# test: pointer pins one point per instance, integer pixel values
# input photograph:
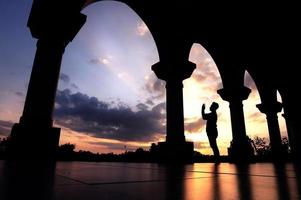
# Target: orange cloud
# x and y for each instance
(201, 88)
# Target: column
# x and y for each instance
(292, 110)
(43, 82)
(289, 133)
(240, 148)
(293, 132)
(271, 111)
(34, 136)
(175, 146)
(174, 111)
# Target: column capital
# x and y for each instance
(53, 20)
(166, 72)
(235, 94)
(271, 108)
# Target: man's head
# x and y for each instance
(214, 106)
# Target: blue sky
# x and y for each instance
(106, 78)
(17, 49)
(98, 62)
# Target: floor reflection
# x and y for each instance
(254, 181)
(27, 180)
(175, 180)
(281, 181)
(216, 193)
(297, 170)
(243, 182)
(97, 181)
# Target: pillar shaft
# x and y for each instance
(274, 132)
(175, 114)
(271, 109)
(293, 132)
(237, 121)
(174, 96)
(240, 149)
(291, 107)
(175, 149)
(235, 98)
(43, 83)
(289, 134)
(34, 137)
(54, 26)
(295, 129)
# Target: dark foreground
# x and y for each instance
(101, 181)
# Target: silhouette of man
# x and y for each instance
(211, 128)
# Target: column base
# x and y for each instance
(33, 142)
(180, 152)
(241, 151)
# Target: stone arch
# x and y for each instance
(142, 13)
(253, 115)
(270, 107)
(281, 116)
(55, 26)
(62, 26)
(92, 26)
(203, 84)
(284, 128)
(228, 61)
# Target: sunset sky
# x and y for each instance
(108, 98)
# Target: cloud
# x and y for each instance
(207, 76)
(109, 145)
(142, 106)
(257, 116)
(73, 85)
(119, 146)
(5, 127)
(85, 114)
(206, 72)
(19, 94)
(65, 78)
(155, 87)
(142, 29)
(101, 60)
(94, 61)
(150, 102)
(249, 82)
(195, 126)
(201, 145)
(104, 61)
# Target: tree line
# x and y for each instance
(66, 152)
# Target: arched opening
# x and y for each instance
(108, 99)
(281, 120)
(201, 88)
(256, 123)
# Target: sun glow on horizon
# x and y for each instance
(202, 88)
(87, 142)
(110, 60)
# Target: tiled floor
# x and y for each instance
(101, 181)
